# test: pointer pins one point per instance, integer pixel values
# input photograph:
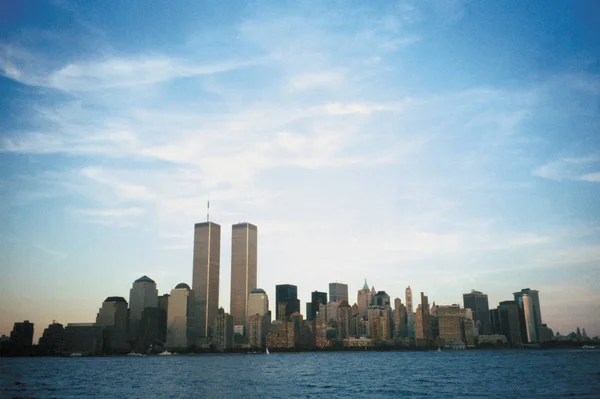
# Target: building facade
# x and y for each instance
(222, 338)
(204, 295)
(177, 317)
(363, 300)
(478, 303)
(286, 295)
(338, 292)
(143, 294)
(112, 316)
(244, 254)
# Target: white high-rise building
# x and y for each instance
(258, 302)
(177, 317)
(529, 318)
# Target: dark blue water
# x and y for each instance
(466, 374)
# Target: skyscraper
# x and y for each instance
(258, 302)
(143, 294)
(338, 292)
(530, 315)
(243, 269)
(113, 317)
(363, 300)
(510, 327)
(409, 303)
(205, 281)
(223, 331)
(316, 298)
(177, 317)
(286, 297)
(478, 303)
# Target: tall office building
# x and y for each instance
(143, 294)
(409, 303)
(51, 341)
(243, 269)
(381, 299)
(113, 317)
(286, 298)
(530, 326)
(510, 327)
(205, 282)
(316, 298)
(21, 337)
(363, 300)
(478, 303)
(258, 302)
(344, 318)
(530, 316)
(338, 292)
(177, 317)
(223, 331)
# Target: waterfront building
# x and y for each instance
(286, 295)
(84, 338)
(400, 322)
(256, 330)
(112, 316)
(204, 296)
(316, 298)
(545, 333)
(152, 329)
(338, 292)
(478, 303)
(423, 322)
(258, 302)
(51, 341)
(344, 320)
(222, 338)
(530, 326)
(530, 316)
(363, 300)
(244, 254)
(373, 313)
(177, 317)
(410, 325)
(508, 314)
(281, 335)
(408, 298)
(331, 313)
(21, 336)
(163, 302)
(143, 294)
(470, 332)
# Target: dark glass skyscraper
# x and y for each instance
(338, 292)
(478, 303)
(286, 295)
(316, 298)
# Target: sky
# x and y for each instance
(447, 145)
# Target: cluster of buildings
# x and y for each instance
(189, 318)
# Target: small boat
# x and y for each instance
(165, 353)
(76, 354)
(267, 351)
(439, 349)
(134, 354)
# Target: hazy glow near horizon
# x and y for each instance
(443, 145)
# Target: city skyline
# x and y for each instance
(448, 146)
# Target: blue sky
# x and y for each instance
(446, 145)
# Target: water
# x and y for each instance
(466, 374)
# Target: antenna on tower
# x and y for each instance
(208, 209)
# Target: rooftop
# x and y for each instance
(182, 285)
(115, 299)
(144, 279)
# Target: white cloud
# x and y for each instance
(569, 168)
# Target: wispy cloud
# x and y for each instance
(571, 168)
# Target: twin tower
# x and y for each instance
(204, 296)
